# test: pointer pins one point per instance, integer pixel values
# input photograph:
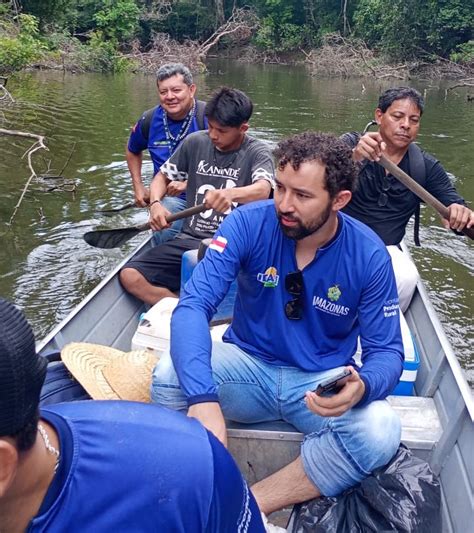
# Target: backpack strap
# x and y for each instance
(417, 164)
(146, 119)
(200, 107)
(418, 173)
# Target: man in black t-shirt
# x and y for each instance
(224, 167)
(384, 203)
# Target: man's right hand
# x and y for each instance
(157, 218)
(370, 146)
(336, 405)
(142, 195)
(211, 417)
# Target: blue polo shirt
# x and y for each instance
(133, 467)
(157, 144)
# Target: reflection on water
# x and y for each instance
(47, 268)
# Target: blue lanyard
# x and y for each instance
(186, 124)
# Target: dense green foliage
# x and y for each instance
(97, 30)
(404, 28)
(22, 47)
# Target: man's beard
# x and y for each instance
(301, 231)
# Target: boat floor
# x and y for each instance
(421, 430)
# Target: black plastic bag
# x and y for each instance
(403, 496)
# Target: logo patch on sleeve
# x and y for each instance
(390, 308)
(219, 244)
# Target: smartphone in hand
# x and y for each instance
(334, 384)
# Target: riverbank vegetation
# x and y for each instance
(381, 38)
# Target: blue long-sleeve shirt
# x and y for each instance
(349, 290)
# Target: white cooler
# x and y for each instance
(412, 360)
(153, 331)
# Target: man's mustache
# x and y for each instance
(288, 216)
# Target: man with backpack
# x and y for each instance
(384, 203)
(161, 130)
(224, 167)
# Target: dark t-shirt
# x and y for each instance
(206, 168)
(389, 218)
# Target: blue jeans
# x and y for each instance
(173, 204)
(337, 452)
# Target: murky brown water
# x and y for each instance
(47, 268)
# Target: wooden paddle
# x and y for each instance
(421, 192)
(113, 238)
(118, 209)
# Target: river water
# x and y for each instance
(47, 268)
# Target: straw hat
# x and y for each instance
(110, 374)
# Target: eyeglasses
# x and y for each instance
(294, 284)
(383, 198)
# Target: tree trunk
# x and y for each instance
(344, 15)
(220, 17)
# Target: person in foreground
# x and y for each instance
(384, 203)
(224, 167)
(161, 130)
(106, 466)
(310, 281)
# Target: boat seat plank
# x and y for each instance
(421, 431)
(253, 444)
(421, 426)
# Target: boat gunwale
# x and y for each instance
(57, 329)
(446, 346)
(453, 361)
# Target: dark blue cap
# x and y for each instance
(22, 371)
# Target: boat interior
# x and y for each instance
(437, 421)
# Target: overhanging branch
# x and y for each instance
(37, 145)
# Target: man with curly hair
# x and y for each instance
(311, 280)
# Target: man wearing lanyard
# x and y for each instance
(161, 130)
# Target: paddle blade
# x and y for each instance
(112, 238)
(469, 232)
(117, 209)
